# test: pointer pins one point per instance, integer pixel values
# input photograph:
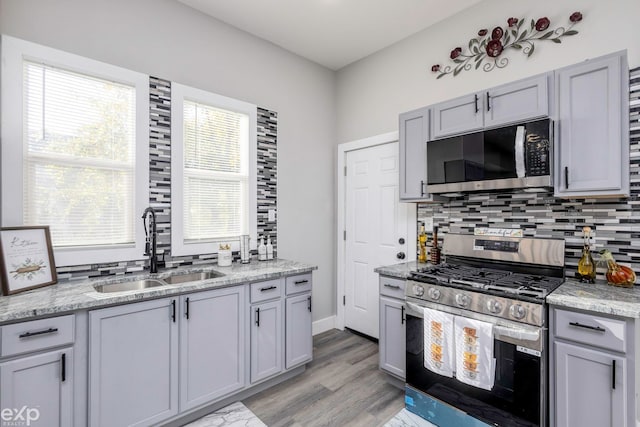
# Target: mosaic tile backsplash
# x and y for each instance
(160, 187)
(616, 222)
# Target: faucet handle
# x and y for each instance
(147, 247)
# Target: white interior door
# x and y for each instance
(376, 224)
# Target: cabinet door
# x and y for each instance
(392, 342)
(133, 364)
(457, 116)
(414, 134)
(587, 378)
(517, 102)
(592, 148)
(41, 384)
(266, 340)
(212, 345)
(299, 341)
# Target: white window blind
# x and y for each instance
(216, 173)
(79, 156)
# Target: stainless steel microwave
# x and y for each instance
(516, 156)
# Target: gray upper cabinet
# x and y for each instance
(133, 357)
(414, 134)
(267, 346)
(518, 101)
(456, 116)
(522, 100)
(592, 144)
(212, 345)
(299, 341)
(42, 382)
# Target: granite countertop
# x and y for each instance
(71, 296)
(401, 271)
(598, 298)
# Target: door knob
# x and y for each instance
(401, 240)
(400, 255)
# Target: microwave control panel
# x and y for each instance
(537, 156)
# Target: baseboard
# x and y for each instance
(323, 325)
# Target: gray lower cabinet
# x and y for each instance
(298, 340)
(42, 384)
(267, 345)
(392, 342)
(212, 345)
(133, 363)
(592, 366)
(589, 378)
(592, 144)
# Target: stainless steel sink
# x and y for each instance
(129, 286)
(192, 277)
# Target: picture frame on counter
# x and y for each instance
(26, 259)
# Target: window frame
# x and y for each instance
(14, 51)
(180, 93)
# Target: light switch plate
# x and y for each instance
(272, 214)
(428, 224)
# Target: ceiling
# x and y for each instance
(333, 33)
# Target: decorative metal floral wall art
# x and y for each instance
(488, 48)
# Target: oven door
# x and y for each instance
(518, 397)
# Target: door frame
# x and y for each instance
(343, 149)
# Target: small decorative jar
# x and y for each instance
(224, 256)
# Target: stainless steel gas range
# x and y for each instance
(502, 281)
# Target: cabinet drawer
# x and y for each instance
(298, 284)
(263, 291)
(591, 330)
(392, 287)
(37, 335)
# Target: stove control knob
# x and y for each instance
(418, 290)
(517, 311)
(434, 294)
(494, 306)
(463, 300)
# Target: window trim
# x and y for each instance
(13, 52)
(179, 93)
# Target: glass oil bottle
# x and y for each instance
(422, 245)
(586, 266)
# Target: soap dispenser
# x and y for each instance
(269, 248)
(262, 250)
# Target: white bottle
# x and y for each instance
(269, 248)
(262, 250)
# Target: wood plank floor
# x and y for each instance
(341, 387)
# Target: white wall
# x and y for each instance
(166, 39)
(373, 91)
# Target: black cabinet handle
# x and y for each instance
(476, 100)
(300, 282)
(267, 289)
(421, 188)
(258, 316)
(63, 369)
(613, 375)
(186, 310)
(488, 102)
(386, 285)
(173, 311)
(593, 328)
(566, 177)
(309, 306)
(33, 334)
(402, 316)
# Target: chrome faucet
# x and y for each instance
(150, 246)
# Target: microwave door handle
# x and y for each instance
(519, 152)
